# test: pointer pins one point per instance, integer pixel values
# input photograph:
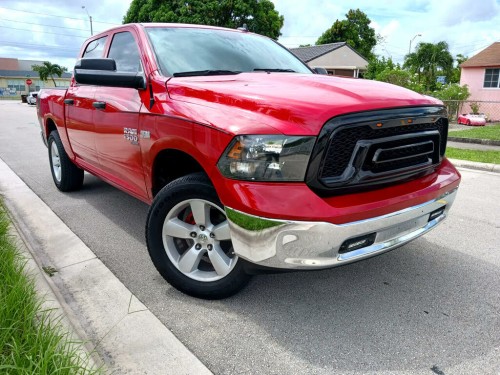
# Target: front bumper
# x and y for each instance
(315, 245)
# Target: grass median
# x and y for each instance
(473, 155)
(32, 340)
(491, 132)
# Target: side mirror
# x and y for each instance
(102, 72)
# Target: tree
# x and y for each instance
(376, 66)
(455, 75)
(259, 15)
(48, 70)
(355, 30)
(428, 60)
(385, 70)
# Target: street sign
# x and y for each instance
(29, 82)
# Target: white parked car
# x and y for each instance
(31, 99)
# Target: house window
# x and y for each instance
(491, 78)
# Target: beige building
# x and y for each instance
(15, 72)
(337, 58)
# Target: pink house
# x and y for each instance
(482, 74)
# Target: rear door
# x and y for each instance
(116, 120)
(79, 111)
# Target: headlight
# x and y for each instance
(267, 158)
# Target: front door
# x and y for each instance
(116, 121)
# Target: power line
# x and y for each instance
(53, 15)
(16, 44)
(41, 24)
(45, 32)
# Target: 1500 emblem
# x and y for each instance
(131, 135)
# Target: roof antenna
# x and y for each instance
(243, 28)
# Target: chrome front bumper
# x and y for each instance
(315, 245)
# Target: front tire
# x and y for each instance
(66, 175)
(189, 242)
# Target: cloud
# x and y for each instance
(456, 12)
(54, 30)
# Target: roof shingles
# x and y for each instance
(487, 57)
(307, 54)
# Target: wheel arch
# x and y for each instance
(164, 171)
(50, 126)
(53, 123)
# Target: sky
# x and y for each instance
(54, 30)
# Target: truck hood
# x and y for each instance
(293, 104)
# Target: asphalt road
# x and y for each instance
(430, 307)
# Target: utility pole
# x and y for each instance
(411, 40)
(90, 19)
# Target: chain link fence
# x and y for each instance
(490, 109)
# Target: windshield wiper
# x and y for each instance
(205, 73)
(274, 70)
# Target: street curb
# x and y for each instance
(490, 142)
(476, 165)
(125, 334)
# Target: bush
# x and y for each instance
(453, 95)
(452, 91)
(474, 106)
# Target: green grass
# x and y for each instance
(473, 155)
(482, 132)
(32, 340)
(250, 223)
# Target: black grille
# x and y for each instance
(361, 150)
(344, 141)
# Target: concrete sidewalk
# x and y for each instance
(126, 336)
(472, 146)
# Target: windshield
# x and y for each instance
(211, 51)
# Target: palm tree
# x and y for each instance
(427, 60)
(47, 70)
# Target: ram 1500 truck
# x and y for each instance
(249, 160)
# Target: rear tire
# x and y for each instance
(188, 239)
(66, 175)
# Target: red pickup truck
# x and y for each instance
(249, 160)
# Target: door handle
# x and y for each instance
(69, 101)
(99, 105)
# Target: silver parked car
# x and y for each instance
(31, 99)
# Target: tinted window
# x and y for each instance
(191, 49)
(95, 48)
(125, 52)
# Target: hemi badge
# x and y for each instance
(145, 134)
